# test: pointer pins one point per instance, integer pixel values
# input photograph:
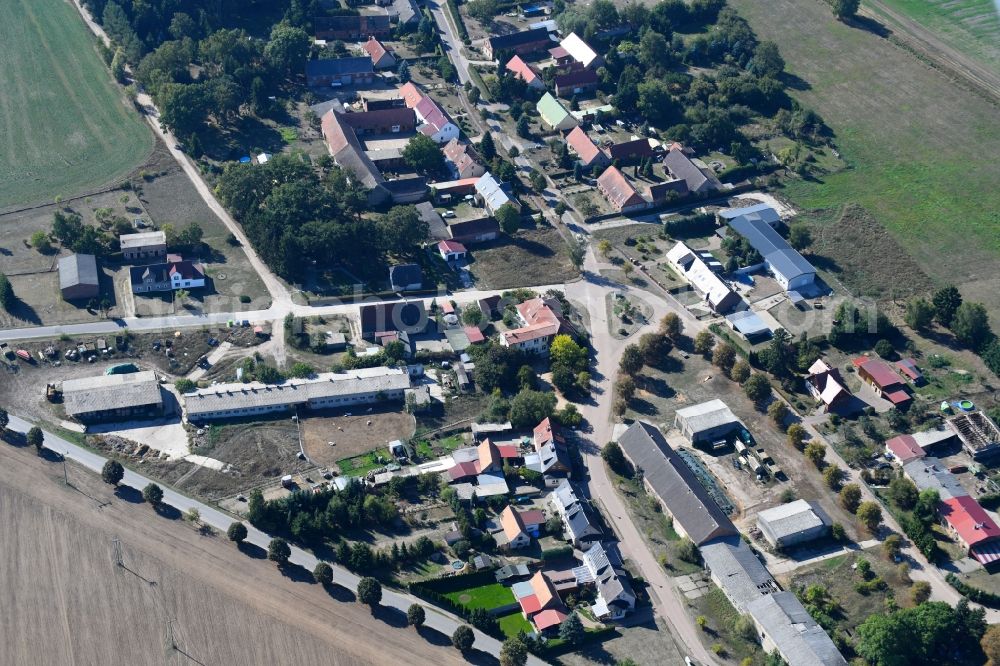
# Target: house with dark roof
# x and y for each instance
(340, 71)
(380, 56)
(577, 82)
(826, 385)
(78, 277)
(698, 178)
(908, 368)
(789, 268)
(881, 377)
(735, 569)
(786, 627)
(519, 43)
(402, 316)
(619, 192)
(474, 230)
(630, 151)
(406, 277)
(169, 276)
(347, 152)
(579, 527)
(352, 27)
(586, 150)
(602, 567)
(668, 478)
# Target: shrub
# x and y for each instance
(112, 472)
(153, 494)
(278, 551)
(323, 573)
(687, 551)
(415, 615)
(463, 638)
(237, 532)
(920, 592)
(369, 592)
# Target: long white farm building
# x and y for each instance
(324, 391)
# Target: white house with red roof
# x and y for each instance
(451, 250)
(434, 122)
(969, 523)
(904, 448)
(380, 55)
(540, 322)
(585, 149)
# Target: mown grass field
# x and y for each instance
(970, 26)
(65, 126)
(920, 149)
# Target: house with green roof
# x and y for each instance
(554, 115)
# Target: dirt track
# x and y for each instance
(68, 603)
(927, 45)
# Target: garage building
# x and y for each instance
(793, 523)
(706, 422)
(113, 397)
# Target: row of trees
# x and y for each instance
(968, 322)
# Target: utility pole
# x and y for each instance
(65, 472)
(171, 641)
(117, 544)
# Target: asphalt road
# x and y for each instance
(436, 617)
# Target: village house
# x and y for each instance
(519, 43)
(586, 151)
(434, 122)
(826, 385)
(474, 230)
(970, 525)
(380, 56)
(462, 160)
(491, 193)
(881, 377)
(578, 525)
(541, 320)
(630, 151)
(698, 178)
(619, 192)
(551, 457)
(540, 603)
(603, 567)
(717, 293)
(169, 276)
(518, 527)
(554, 115)
(402, 316)
(525, 72)
(148, 245)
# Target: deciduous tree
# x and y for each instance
(112, 472)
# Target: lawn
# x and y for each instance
(721, 616)
(66, 127)
(918, 145)
(514, 623)
(361, 465)
(427, 449)
(970, 26)
(493, 595)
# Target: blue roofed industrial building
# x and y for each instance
(789, 268)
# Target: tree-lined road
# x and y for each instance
(437, 618)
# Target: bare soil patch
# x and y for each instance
(352, 435)
(224, 607)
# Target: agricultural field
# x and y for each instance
(67, 128)
(971, 26)
(223, 606)
(918, 146)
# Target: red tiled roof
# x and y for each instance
(475, 336)
(617, 189)
(431, 113)
(530, 604)
(898, 397)
(905, 448)
(489, 455)
(584, 147)
(450, 246)
(543, 589)
(548, 618)
(411, 94)
(447, 307)
(512, 524)
(969, 520)
(522, 70)
(463, 470)
(880, 372)
(533, 517)
(559, 53)
(188, 270)
(375, 49)
(506, 450)
(545, 432)
(630, 149)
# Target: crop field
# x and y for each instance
(971, 26)
(223, 606)
(919, 147)
(66, 127)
